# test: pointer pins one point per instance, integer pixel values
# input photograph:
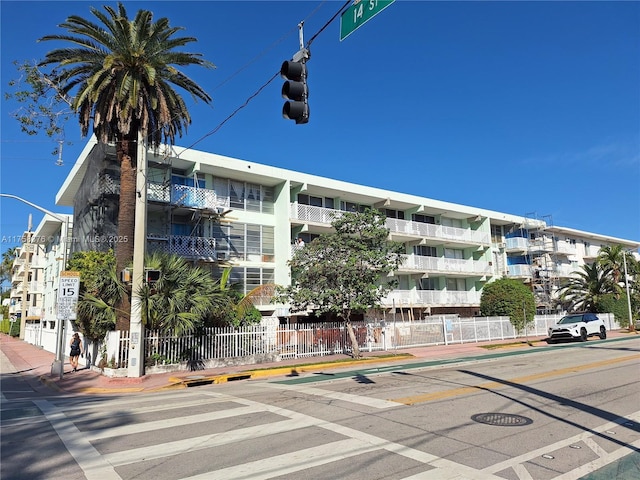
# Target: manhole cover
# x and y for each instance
(502, 419)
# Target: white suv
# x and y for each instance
(577, 325)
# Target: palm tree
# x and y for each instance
(8, 258)
(610, 258)
(183, 297)
(587, 289)
(242, 308)
(122, 74)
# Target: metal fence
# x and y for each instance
(212, 347)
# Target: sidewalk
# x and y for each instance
(34, 364)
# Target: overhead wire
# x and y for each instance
(273, 77)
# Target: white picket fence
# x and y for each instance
(271, 341)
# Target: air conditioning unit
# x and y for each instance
(222, 255)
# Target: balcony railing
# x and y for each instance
(431, 298)
(438, 232)
(517, 244)
(186, 196)
(201, 248)
(310, 213)
(445, 265)
(520, 270)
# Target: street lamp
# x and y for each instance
(58, 364)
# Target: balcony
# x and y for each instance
(194, 248)
(566, 248)
(444, 265)
(431, 298)
(441, 233)
(523, 270)
(517, 244)
(309, 213)
(184, 196)
(399, 228)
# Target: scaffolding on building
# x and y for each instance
(542, 259)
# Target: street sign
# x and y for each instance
(68, 290)
(359, 13)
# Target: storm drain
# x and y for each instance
(502, 419)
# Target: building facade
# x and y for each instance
(35, 278)
(215, 211)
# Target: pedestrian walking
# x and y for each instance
(76, 351)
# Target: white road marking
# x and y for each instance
(289, 462)
(169, 423)
(345, 397)
(590, 467)
(94, 466)
(497, 467)
(198, 443)
(522, 472)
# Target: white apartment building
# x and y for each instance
(35, 278)
(209, 208)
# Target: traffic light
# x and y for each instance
(295, 90)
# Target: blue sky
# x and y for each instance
(527, 108)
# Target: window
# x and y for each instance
(417, 217)
(496, 233)
(451, 222)
(456, 284)
(425, 251)
(399, 214)
(253, 197)
(249, 278)
(352, 207)
(305, 199)
(427, 284)
(453, 253)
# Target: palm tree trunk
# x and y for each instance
(126, 223)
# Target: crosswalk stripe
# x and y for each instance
(204, 441)
(89, 460)
(169, 423)
(345, 397)
(289, 462)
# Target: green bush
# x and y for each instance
(9, 328)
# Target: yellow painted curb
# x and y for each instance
(269, 372)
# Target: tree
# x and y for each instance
(511, 298)
(8, 257)
(120, 75)
(183, 298)
(241, 308)
(610, 258)
(586, 290)
(344, 272)
(100, 292)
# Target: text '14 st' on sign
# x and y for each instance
(360, 13)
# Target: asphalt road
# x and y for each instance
(568, 412)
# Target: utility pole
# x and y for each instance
(632, 325)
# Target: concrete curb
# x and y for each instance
(197, 380)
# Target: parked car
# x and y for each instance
(577, 326)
